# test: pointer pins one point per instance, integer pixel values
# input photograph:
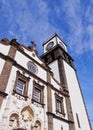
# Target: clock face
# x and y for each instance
(49, 46)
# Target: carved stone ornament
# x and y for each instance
(32, 67)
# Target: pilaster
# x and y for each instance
(49, 103)
(4, 77)
(63, 81)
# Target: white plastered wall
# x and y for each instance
(4, 49)
(55, 70)
(60, 42)
(76, 98)
(58, 125)
(23, 60)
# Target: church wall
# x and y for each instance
(55, 70)
(54, 83)
(33, 55)
(76, 99)
(14, 103)
(24, 61)
(4, 48)
(59, 125)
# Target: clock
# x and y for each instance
(49, 45)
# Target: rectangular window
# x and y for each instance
(58, 105)
(20, 86)
(37, 95)
(78, 122)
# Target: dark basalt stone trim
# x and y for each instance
(60, 118)
(55, 48)
(7, 58)
(33, 100)
(5, 41)
(19, 129)
(3, 94)
(20, 49)
(25, 97)
(33, 75)
(2, 56)
(6, 70)
(59, 52)
(49, 102)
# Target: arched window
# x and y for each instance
(27, 114)
(26, 118)
(13, 121)
(37, 125)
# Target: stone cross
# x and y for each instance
(33, 44)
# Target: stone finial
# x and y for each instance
(5, 40)
(14, 40)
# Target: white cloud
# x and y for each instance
(28, 21)
(80, 19)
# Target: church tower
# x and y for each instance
(61, 63)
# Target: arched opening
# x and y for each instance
(27, 114)
(26, 118)
(14, 120)
(37, 125)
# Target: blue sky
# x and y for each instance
(72, 20)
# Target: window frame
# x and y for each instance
(24, 79)
(58, 105)
(37, 98)
(18, 87)
(40, 88)
(60, 99)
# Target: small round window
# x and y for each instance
(32, 67)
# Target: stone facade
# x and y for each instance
(36, 94)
